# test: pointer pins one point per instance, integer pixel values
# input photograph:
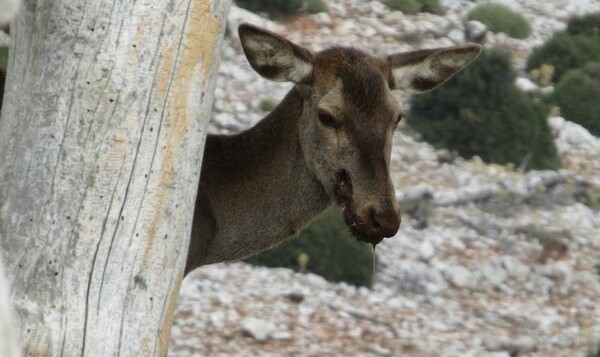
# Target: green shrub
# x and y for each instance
(499, 18)
(326, 248)
(578, 96)
(431, 6)
(411, 7)
(595, 353)
(282, 7)
(543, 75)
(570, 49)
(3, 56)
(267, 105)
(315, 6)
(588, 25)
(481, 112)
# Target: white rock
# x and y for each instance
(217, 319)
(526, 85)
(542, 286)
(475, 30)
(282, 336)
(258, 329)
(493, 272)
(226, 120)
(381, 351)
(238, 15)
(416, 277)
(459, 276)
(381, 28)
(560, 270)
(457, 36)
(322, 18)
(426, 251)
(514, 267)
(512, 4)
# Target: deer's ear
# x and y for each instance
(420, 71)
(274, 57)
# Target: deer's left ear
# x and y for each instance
(274, 57)
(420, 71)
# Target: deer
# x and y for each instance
(328, 141)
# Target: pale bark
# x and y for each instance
(101, 139)
(8, 8)
(9, 345)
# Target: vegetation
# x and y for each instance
(267, 105)
(409, 7)
(588, 25)
(431, 6)
(570, 49)
(282, 7)
(595, 353)
(499, 18)
(481, 112)
(413, 7)
(3, 56)
(577, 95)
(543, 75)
(326, 248)
(315, 6)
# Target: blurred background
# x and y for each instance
(497, 173)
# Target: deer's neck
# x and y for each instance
(260, 188)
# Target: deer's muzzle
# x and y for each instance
(371, 223)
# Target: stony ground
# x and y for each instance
(494, 262)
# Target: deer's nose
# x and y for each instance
(381, 222)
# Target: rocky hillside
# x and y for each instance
(495, 262)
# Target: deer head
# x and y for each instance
(349, 116)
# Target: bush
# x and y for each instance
(578, 93)
(326, 248)
(481, 112)
(499, 18)
(267, 105)
(431, 6)
(3, 56)
(315, 6)
(411, 7)
(570, 49)
(283, 7)
(588, 25)
(543, 75)
(595, 353)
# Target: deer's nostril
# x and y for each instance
(374, 222)
(381, 223)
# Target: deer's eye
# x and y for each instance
(328, 120)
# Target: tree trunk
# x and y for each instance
(101, 139)
(8, 338)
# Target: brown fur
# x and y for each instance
(263, 185)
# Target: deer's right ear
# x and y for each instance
(274, 57)
(423, 70)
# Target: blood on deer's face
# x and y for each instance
(349, 116)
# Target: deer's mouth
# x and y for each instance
(343, 196)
